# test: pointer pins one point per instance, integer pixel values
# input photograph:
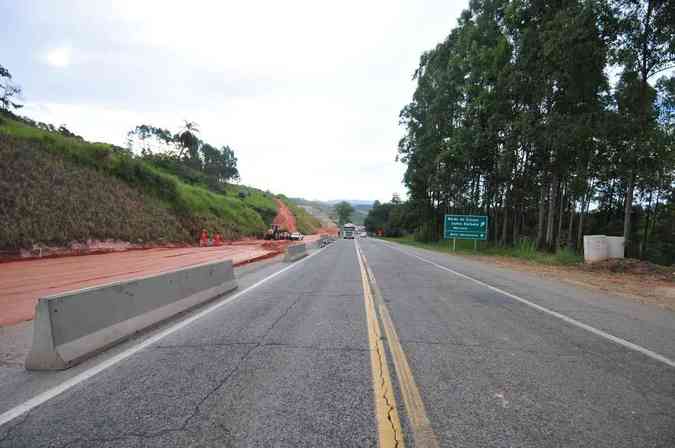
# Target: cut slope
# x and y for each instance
(284, 219)
(46, 199)
(58, 190)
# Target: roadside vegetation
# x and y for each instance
(525, 250)
(515, 116)
(163, 187)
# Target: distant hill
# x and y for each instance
(327, 208)
(353, 202)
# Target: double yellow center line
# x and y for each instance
(389, 429)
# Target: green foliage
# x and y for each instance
(49, 199)
(185, 155)
(263, 203)
(185, 208)
(8, 91)
(344, 212)
(525, 250)
(513, 117)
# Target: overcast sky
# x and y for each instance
(306, 93)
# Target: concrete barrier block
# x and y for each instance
(615, 247)
(595, 248)
(295, 252)
(73, 326)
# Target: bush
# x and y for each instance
(424, 234)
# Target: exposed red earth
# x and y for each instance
(56, 270)
(23, 282)
(284, 219)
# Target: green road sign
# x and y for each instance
(465, 227)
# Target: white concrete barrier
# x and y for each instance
(72, 326)
(295, 252)
(595, 248)
(615, 247)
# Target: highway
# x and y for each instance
(365, 344)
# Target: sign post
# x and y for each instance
(465, 227)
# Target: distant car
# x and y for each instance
(297, 236)
(363, 234)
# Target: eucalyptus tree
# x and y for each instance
(645, 47)
(9, 91)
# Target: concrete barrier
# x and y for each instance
(615, 247)
(72, 326)
(326, 239)
(595, 248)
(295, 252)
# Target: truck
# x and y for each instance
(348, 231)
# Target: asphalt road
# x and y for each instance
(300, 361)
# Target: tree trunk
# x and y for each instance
(563, 201)
(505, 222)
(570, 225)
(550, 229)
(516, 230)
(495, 221)
(582, 212)
(541, 217)
(645, 236)
(627, 210)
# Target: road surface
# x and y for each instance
(367, 343)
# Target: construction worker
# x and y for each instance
(204, 238)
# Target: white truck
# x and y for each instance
(348, 231)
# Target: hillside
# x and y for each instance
(59, 189)
(326, 209)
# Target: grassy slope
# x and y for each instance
(46, 199)
(170, 209)
(524, 251)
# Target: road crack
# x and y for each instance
(391, 408)
(183, 427)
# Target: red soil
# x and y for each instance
(23, 282)
(30, 277)
(284, 219)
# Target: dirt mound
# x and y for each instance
(284, 219)
(632, 266)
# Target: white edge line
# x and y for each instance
(41, 398)
(560, 316)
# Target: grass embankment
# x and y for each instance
(306, 223)
(526, 250)
(58, 189)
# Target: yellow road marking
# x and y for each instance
(388, 424)
(422, 432)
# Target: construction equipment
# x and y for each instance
(276, 233)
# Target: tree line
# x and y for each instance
(182, 153)
(185, 154)
(554, 118)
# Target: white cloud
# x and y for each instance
(307, 93)
(59, 57)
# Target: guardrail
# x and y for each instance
(73, 326)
